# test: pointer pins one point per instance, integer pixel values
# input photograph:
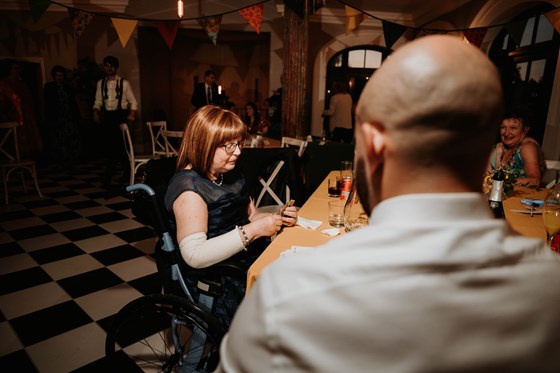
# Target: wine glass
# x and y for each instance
(551, 217)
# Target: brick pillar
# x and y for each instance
(295, 107)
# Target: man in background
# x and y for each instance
(114, 105)
(434, 283)
(206, 93)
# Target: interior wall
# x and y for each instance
(240, 61)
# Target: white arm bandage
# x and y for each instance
(199, 252)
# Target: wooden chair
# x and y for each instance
(286, 143)
(10, 160)
(158, 144)
(290, 141)
(553, 165)
(171, 147)
(135, 160)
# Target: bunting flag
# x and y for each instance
(475, 36)
(297, 6)
(554, 17)
(80, 20)
(211, 25)
(353, 18)
(318, 4)
(392, 32)
(38, 8)
(516, 29)
(168, 30)
(253, 15)
(124, 28)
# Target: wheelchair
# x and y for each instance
(181, 329)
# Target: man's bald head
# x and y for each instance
(436, 94)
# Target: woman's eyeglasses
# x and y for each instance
(230, 147)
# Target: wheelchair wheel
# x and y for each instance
(164, 333)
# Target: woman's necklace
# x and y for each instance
(219, 183)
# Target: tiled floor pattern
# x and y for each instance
(68, 262)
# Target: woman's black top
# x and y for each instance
(228, 203)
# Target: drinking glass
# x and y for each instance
(354, 215)
(346, 168)
(551, 217)
(336, 213)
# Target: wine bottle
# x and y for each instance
(495, 196)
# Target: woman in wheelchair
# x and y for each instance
(207, 199)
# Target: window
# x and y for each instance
(527, 69)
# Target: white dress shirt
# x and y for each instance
(434, 284)
(111, 103)
(340, 111)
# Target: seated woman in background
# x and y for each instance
(207, 198)
(252, 118)
(517, 153)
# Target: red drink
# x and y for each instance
(345, 187)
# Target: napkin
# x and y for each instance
(308, 223)
(331, 232)
(294, 250)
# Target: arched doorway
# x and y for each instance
(353, 66)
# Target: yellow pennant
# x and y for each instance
(124, 28)
(353, 18)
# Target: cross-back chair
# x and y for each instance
(135, 160)
(10, 160)
(287, 142)
(158, 144)
(171, 147)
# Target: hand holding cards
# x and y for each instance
(283, 208)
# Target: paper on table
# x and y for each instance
(294, 250)
(331, 232)
(308, 223)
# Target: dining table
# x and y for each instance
(518, 215)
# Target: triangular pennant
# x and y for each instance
(124, 28)
(475, 36)
(38, 8)
(392, 32)
(80, 20)
(516, 29)
(211, 25)
(168, 30)
(297, 6)
(353, 18)
(253, 15)
(554, 17)
(318, 4)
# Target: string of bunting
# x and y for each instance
(393, 31)
(125, 25)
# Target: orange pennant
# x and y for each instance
(554, 17)
(253, 15)
(124, 28)
(353, 18)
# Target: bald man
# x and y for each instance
(434, 283)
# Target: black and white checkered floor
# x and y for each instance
(68, 262)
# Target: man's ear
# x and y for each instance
(374, 142)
